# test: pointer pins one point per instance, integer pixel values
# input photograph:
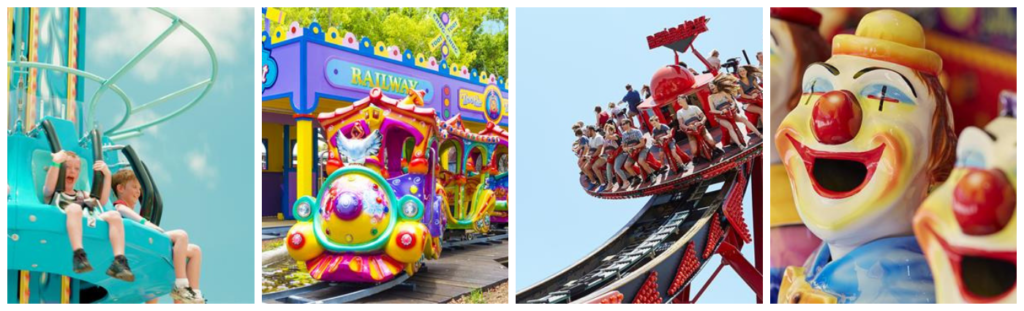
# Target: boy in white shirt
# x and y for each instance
(187, 257)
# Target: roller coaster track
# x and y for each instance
(655, 257)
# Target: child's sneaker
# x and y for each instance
(185, 294)
(79, 263)
(182, 294)
(119, 269)
(197, 296)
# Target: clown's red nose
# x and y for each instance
(983, 202)
(836, 117)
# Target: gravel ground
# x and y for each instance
(272, 244)
(497, 294)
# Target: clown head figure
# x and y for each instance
(869, 135)
(795, 44)
(967, 227)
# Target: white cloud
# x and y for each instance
(197, 164)
(134, 28)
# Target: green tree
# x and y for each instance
(482, 36)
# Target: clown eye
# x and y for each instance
(817, 85)
(973, 148)
(885, 94)
(971, 158)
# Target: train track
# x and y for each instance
(326, 292)
(273, 233)
(447, 278)
(471, 239)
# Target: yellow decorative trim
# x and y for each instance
(72, 105)
(278, 34)
(338, 39)
(23, 288)
(381, 50)
(33, 56)
(65, 289)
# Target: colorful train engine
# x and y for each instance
(380, 210)
(474, 174)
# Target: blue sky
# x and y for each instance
(203, 160)
(568, 61)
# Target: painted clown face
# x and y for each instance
(967, 226)
(855, 148)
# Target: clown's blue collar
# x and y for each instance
(887, 270)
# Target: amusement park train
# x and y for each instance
(399, 181)
(39, 265)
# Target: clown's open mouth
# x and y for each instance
(838, 175)
(981, 275)
(987, 277)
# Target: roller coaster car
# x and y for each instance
(39, 253)
(363, 227)
(469, 165)
(668, 83)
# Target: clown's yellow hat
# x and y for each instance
(889, 36)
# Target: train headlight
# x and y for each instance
(303, 209)
(409, 209)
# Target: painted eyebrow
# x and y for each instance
(990, 135)
(773, 37)
(831, 69)
(905, 80)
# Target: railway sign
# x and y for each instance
(445, 40)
